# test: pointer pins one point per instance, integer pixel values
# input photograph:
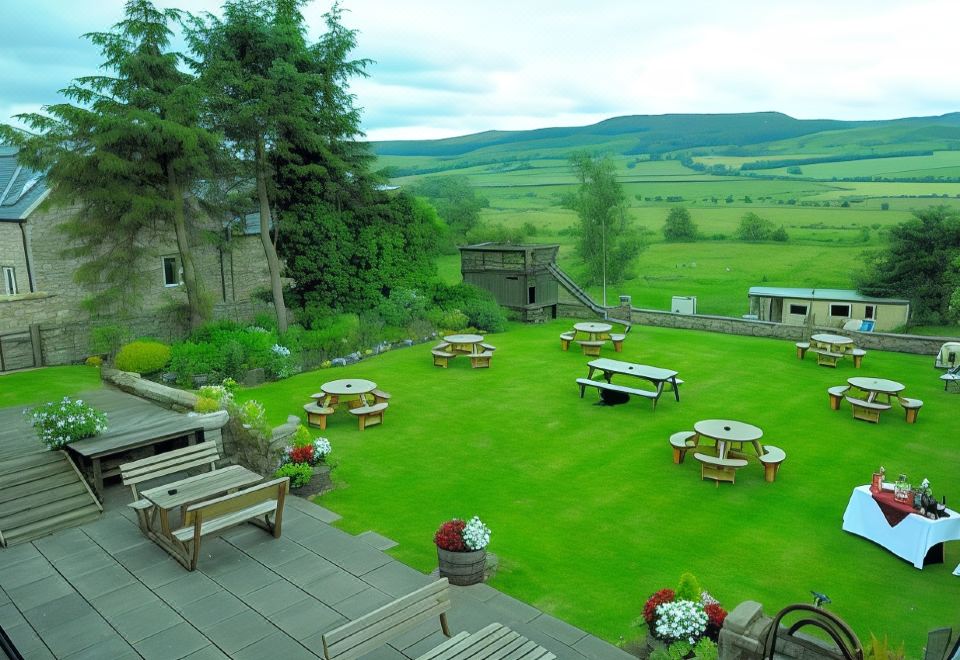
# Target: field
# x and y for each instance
(589, 514)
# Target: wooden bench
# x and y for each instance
(836, 395)
(826, 358)
(134, 473)
(681, 442)
(591, 347)
(440, 357)
(317, 414)
(857, 354)
(369, 415)
(603, 385)
(802, 348)
(771, 460)
(911, 407)
(867, 410)
(565, 339)
(488, 347)
(618, 337)
(248, 505)
(480, 360)
(494, 642)
(379, 396)
(719, 469)
(375, 629)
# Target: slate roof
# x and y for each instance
(21, 188)
(840, 295)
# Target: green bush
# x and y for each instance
(478, 305)
(689, 587)
(206, 405)
(452, 319)
(143, 357)
(299, 473)
(188, 359)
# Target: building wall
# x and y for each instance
(11, 254)
(886, 316)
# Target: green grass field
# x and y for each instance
(589, 514)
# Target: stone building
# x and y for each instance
(38, 286)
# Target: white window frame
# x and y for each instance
(9, 280)
(177, 269)
(840, 316)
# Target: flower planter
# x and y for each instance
(462, 568)
(319, 483)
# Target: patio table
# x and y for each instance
(594, 331)
(727, 432)
(875, 387)
(838, 342)
(655, 375)
(331, 392)
(466, 344)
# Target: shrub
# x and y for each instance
(299, 473)
(58, 423)
(188, 359)
(206, 405)
(93, 361)
(107, 338)
(688, 588)
(143, 357)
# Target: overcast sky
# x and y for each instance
(452, 67)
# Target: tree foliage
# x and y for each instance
(606, 242)
(126, 153)
(921, 262)
(679, 226)
(456, 201)
(754, 228)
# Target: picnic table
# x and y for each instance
(835, 343)
(727, 432)
(330, 393)
(465, 344)
(831, 348)
(655, 375)
(876, 387)
(594, 331)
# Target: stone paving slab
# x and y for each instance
(378, 541)
(104, 591)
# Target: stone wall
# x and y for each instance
(745, 631)
(11, 255)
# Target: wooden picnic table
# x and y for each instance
(728, 432)
(835, 341)
(594, 331)
(495, 642)
(331, 392)
(655, 375)
(466, 344)
(875, 387)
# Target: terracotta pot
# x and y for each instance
(462, 568)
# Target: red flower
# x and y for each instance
(660, 597)
(301, 454)
(450, 536)
(715, 614)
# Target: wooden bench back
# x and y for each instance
(242, 499)
(169, 462)
(373, 630)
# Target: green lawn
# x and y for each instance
(589, 514)
(22, 388)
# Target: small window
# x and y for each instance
(799, 310)
(9, 280)
(171, 271)
(531, 295)
(840, 310)
(868, 312)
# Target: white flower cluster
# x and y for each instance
(60, 423)
(257, 329)
(681, 619)
(321, 447)
(476, 535)
(282, 351)
(707, 599)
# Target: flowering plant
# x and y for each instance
(458, 536)
(681, 619)
(313, 454)
(59, 423)
(685, 615)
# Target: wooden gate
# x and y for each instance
(20, 350)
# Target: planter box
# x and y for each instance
(462, 568)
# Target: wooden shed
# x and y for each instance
(826, 307)
(520, 277)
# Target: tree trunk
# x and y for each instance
(273, 262)
(191, 283)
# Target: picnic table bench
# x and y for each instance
(867, 410)
(584, 383)
(369, 415)
(826, 358)
(719, 469)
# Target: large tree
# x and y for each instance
(679, 226)
(920, 262)
(127, 153)
(606, 242)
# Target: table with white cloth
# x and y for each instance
(911, 539)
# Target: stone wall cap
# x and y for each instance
(743, 616)
(212, 421)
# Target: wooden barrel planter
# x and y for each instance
(462, 568)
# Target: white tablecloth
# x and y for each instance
(911, 539)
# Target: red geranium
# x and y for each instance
(450, 536)
(715, 614)
(302, 454)
(658, 598)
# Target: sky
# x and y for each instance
(453, 67)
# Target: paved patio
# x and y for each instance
(104, 591)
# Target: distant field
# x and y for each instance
(940, 163)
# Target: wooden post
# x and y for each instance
(35, 343)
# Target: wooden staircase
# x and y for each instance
(41, 493)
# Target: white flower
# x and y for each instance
(681, 619)
(321, 447)
(282, 351)
(476, 535)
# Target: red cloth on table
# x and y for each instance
(892, 510)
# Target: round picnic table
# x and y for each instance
(333, 390)
(833, 340)
(593, 330)
(876, 386)
(464, 343)
(728, 431)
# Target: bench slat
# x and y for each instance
(185, 534)
(868, 404)
(193, 456)
(603, 385)
(368, 410)
(721, 462)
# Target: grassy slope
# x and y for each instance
(21, 388)
(590, 516)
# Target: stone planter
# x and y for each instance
(462, 568)
(319, 483)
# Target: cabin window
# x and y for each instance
(531, 295)
(799, 310)
(9, 280)
(869, 312)
(171, 271)
(840, 310)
